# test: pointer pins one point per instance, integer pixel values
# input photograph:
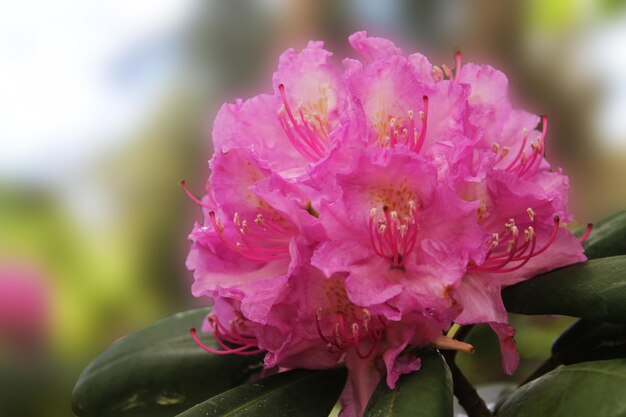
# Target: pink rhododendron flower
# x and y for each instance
(360, 209)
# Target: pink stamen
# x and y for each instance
(554, 232)
(519, 152)
(391, 238)
(300, 147)
(529, 165)
(587, 232)
(542, 147)
(457, 60)
(528, 257)
(193, 198)
(232, 335)
(255, 249)
(311, 141)
(392, 133)
(497, 260)
(523, 166)
(319, 327)
(422, 136)
(228, 351)
(508, 258)
(344, 339)
(406, 133)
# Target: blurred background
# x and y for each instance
(106, 105)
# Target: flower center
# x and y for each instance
(351, 325)
(394, 130)
(509, 252)
(522, 165)
(393, 238)
(239, 344)
(307, 132)
(266, 239)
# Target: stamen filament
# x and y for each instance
(497, 261)
(587, 232)
(311, 141)
(420, 141)
(227, 351)
(193, 198)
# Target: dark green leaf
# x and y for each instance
(588, 340)
(594, 290)
(584, 341)
(425, 393)
(295, 393)
(158, 371)
(608, 237)
(581, 390)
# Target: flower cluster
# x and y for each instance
(364, 208)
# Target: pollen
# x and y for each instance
(392, 236)
(399, 199)
(342, 325)
(392, 130)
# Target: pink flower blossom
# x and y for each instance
(361, 209)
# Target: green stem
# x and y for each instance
(465, 392)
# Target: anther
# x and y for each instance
(437, 73)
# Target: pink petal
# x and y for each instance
(372, 48)
(363, 377)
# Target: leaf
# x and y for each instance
(589, 340)
(594, 290)
(424, 393)
(608, 237)
(295, 393)
(158, 371)
(584, 389)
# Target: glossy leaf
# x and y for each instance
(158, 371)
(425, 393)
(588, 340)
(580, 390)
(607, 238)
(593, 290)
(295, 393)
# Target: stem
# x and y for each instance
(463, 332)
(465, 392)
